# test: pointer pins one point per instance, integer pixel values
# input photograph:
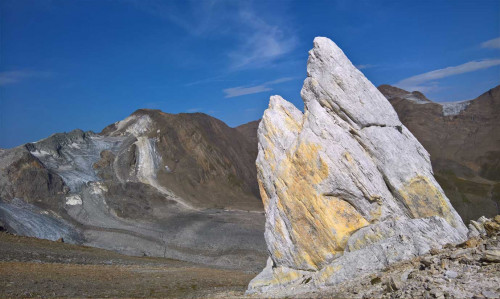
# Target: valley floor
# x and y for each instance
(31, 267)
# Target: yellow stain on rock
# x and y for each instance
(263, 193)
(368, 238)
(326, 273)
(423, 199)
(348, 157)
(291, 123)
(280, 276)
(320, 225)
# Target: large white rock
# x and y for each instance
(347, 189)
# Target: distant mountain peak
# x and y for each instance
(392, 92)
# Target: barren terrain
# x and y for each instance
(31, 267)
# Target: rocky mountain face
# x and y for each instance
(463, 141)
(180, 186)
(347, 189)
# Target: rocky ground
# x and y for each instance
(468, 270)
(31, 267)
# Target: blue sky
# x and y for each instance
(86, 64)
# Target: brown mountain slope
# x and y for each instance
(203, 160)
(464, 144)
(249, 130)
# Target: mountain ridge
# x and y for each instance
(174, 185)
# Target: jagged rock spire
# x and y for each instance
(344, 184)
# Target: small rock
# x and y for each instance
(490, 294)
(426, 261)
(448, 246)
(436, 293)
(492, 228)
(375, 280)
(451, 274)
(460, 253)
(394, 284)
(478, 226)
(434, 251)
(444, 264)
(470, 243)
(492, 256)
(406, 274)
(497, 219)
(482, 219)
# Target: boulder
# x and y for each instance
(347, 189)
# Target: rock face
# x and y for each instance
(462, 139)
(347, 189)
(466, 270)
(181, 186)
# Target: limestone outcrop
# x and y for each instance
(347, 189)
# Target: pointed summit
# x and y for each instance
(334, 82)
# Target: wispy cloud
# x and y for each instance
(219, 78)
(492, 43)
(365, 66)
(197, 18)
(13, 77)
(261, 42)
(427, 81)
(254, 40)
(193, 110)
(245, 90)
(241, 90)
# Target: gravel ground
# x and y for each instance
(32, 267)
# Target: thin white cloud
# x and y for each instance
(427, 81)
(492, 43)
(280, 80)
(241, 90)
(261, 42)
(364, 66)
(13, 77)
(255, 41)
(246, 90)
(193, 110)
(219, 78)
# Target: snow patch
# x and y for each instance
(135, 125)
(454, 108)
(28, 220)
(97, 188)
(415, 99)
(148, 164)
(74, 164)
(74, 200)
(74, 145)
(149, 160)
(40, 153)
